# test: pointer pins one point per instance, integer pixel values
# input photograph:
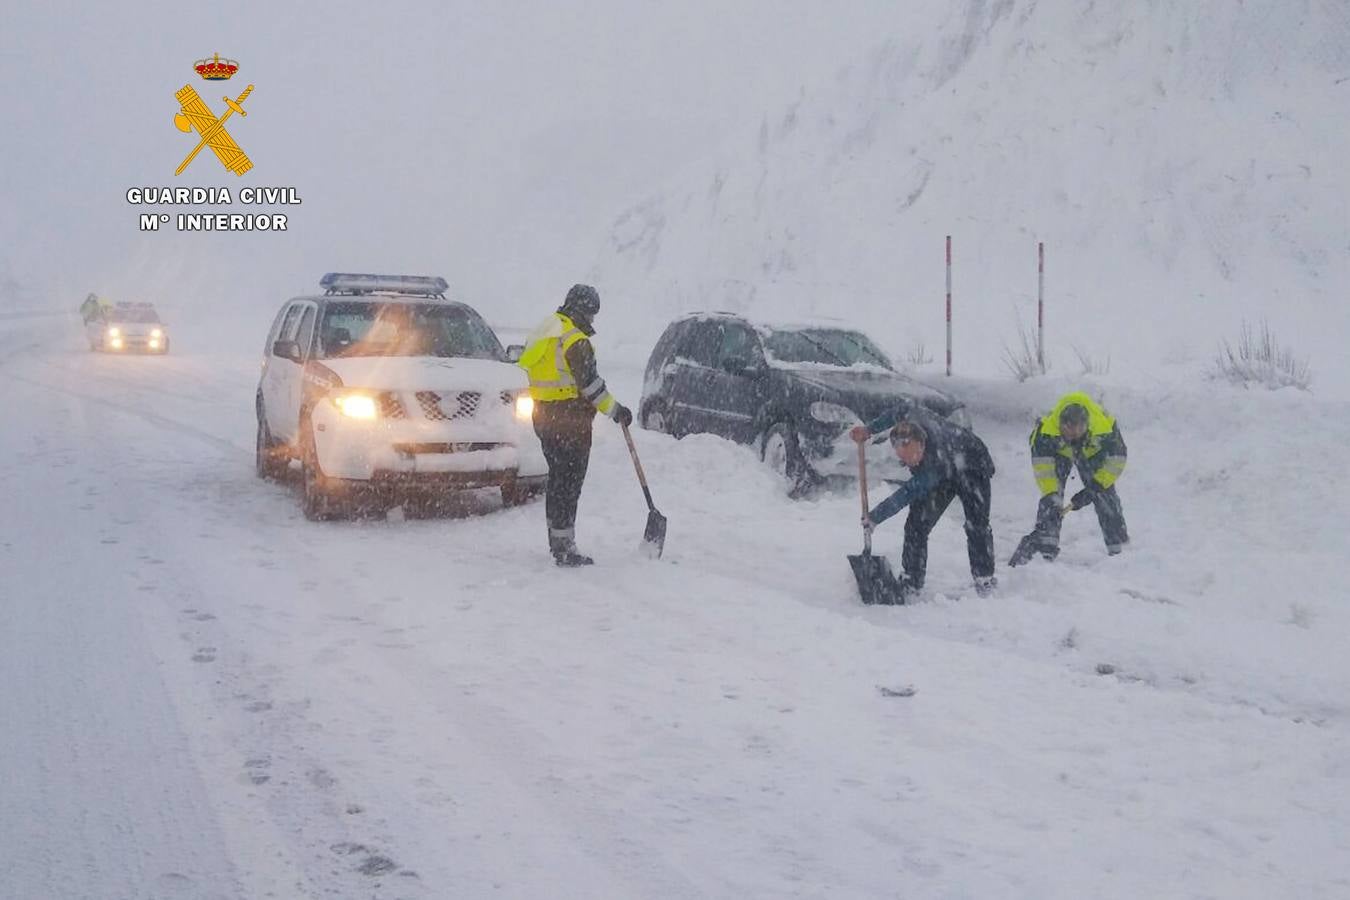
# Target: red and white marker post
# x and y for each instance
(949, 305)
(1040, 306)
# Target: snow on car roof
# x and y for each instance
(814, 323)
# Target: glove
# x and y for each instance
(622, 415)
(1082, 498)
(859, 433)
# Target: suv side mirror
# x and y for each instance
(740, 365)
(514, 352)
(287, 350)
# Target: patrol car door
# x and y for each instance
(735, 385)
(277, 373)
(693, 362)
(304, 336)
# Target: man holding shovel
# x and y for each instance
(567, 392)
(946, 461)
(1077, 433)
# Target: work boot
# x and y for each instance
(985, 585)
(906, 588)
(570, 559)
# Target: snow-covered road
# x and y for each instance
(207, 696)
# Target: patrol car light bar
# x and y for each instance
(361, 283)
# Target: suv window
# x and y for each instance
(665, 347)
(373, 328)
(702, 342)
(738, 342)
(829, 346)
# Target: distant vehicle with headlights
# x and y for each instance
(124, 327)
(384, 390)
(790, 391)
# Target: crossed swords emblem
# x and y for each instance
(196, 114)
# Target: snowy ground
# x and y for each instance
(207, 696)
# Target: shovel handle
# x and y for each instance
(637, 464)
(862, 490)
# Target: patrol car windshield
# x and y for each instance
(826, 346)
(133, 315)
(371, 328)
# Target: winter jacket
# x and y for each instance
(560, 363)
(952, 454)
(1101, 455)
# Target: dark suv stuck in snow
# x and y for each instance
(790, 391)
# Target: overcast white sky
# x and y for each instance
(489, 142)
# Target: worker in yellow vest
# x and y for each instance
(567, 392)
(1079, 434)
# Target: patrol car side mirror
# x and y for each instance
(287, 350)
(514, 351)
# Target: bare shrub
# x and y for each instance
(918, 354)
(1021, 360)
(1091, 365)
(1259, 359)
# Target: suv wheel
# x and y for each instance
(780, 449)
(319, 502)
(269, 460)
(657, 418)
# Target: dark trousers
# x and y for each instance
(974, 492)
(1110, 513)
(564, 430)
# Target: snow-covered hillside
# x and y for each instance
(1183, 163)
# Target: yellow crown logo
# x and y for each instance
(216, 69)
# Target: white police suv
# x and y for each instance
(126, 327)
(383, 389)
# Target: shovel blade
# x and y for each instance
(876, 584)
(654, 537)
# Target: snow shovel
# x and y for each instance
(654, 537)
(876, 584)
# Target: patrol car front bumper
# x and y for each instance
(410, 453)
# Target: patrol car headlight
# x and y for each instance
(115, 343)
(114, 331)
(157, 333)
(524, 407)
(356, 406)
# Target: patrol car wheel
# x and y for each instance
(268, 459)
(319, 502)
(513, 494)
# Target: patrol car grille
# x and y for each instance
(447, 407)
(413, 449)
(391, 407)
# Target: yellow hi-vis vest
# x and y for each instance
(545, 361)
(1100, 426)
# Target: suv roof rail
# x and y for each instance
(364, 283)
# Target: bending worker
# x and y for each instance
(945, 461)
(1077, 433)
